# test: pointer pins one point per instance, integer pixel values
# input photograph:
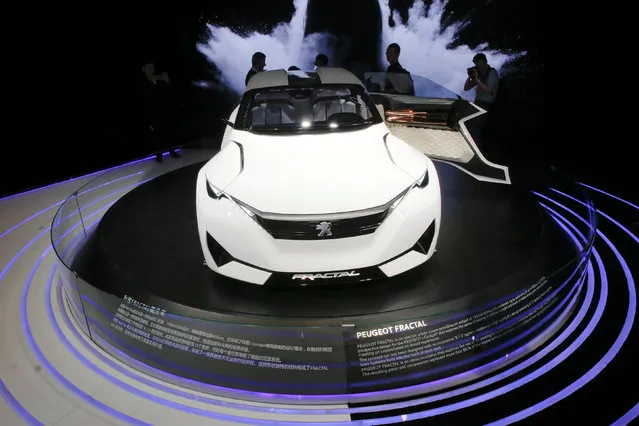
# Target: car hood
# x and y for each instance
(316, 174)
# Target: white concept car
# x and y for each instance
(310, 186)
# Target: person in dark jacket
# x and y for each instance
(258, 62)
(321, 60)
(402, 83)
(159, 109)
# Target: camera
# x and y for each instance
(471, 71)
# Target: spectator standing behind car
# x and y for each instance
(392, 56)
(159, 110)
(395, 82)
(321, 60)
(258, 62)
(484, 79)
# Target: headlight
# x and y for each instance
(213, 192)
(250, 213)
(422, 182)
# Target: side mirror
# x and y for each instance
(228, 122)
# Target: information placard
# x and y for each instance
(336, 360)
(287, 360)
(420, 350)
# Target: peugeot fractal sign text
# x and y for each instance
(324, 228)
(326, 275)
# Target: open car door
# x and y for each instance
(434, 120)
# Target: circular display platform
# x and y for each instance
(491, 234)
(504, 278)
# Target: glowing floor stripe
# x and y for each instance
(632, 414)
(48, 229)
(16, 406)
(607, 358)
(636, 207)
(617, 223)
(6, 394)
(49, 367)
(16, 226)
(84, 176)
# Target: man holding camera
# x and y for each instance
(485, 79)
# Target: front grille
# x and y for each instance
(311, 229)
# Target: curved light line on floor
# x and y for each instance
(617, 223)
(17, 407)
(45, 362)
(33, 216)
(48, 229)
(636, 207)
(632, 414)
(606, 359)
(31, 340)
(4, 391)
(79, 177)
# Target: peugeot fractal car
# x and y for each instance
(310, 186)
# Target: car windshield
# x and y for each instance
(326, 108)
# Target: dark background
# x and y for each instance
(74, 79)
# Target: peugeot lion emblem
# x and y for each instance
(324, 228)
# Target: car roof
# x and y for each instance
(322, 75)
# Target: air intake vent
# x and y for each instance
(424, 242)
(220, 256)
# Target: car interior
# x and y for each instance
(282, 108)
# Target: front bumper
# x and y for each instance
(235, 245)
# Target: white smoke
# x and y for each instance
(425, 50)
(424, 46)
(285, 46)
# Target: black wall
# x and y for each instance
(73, 90)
